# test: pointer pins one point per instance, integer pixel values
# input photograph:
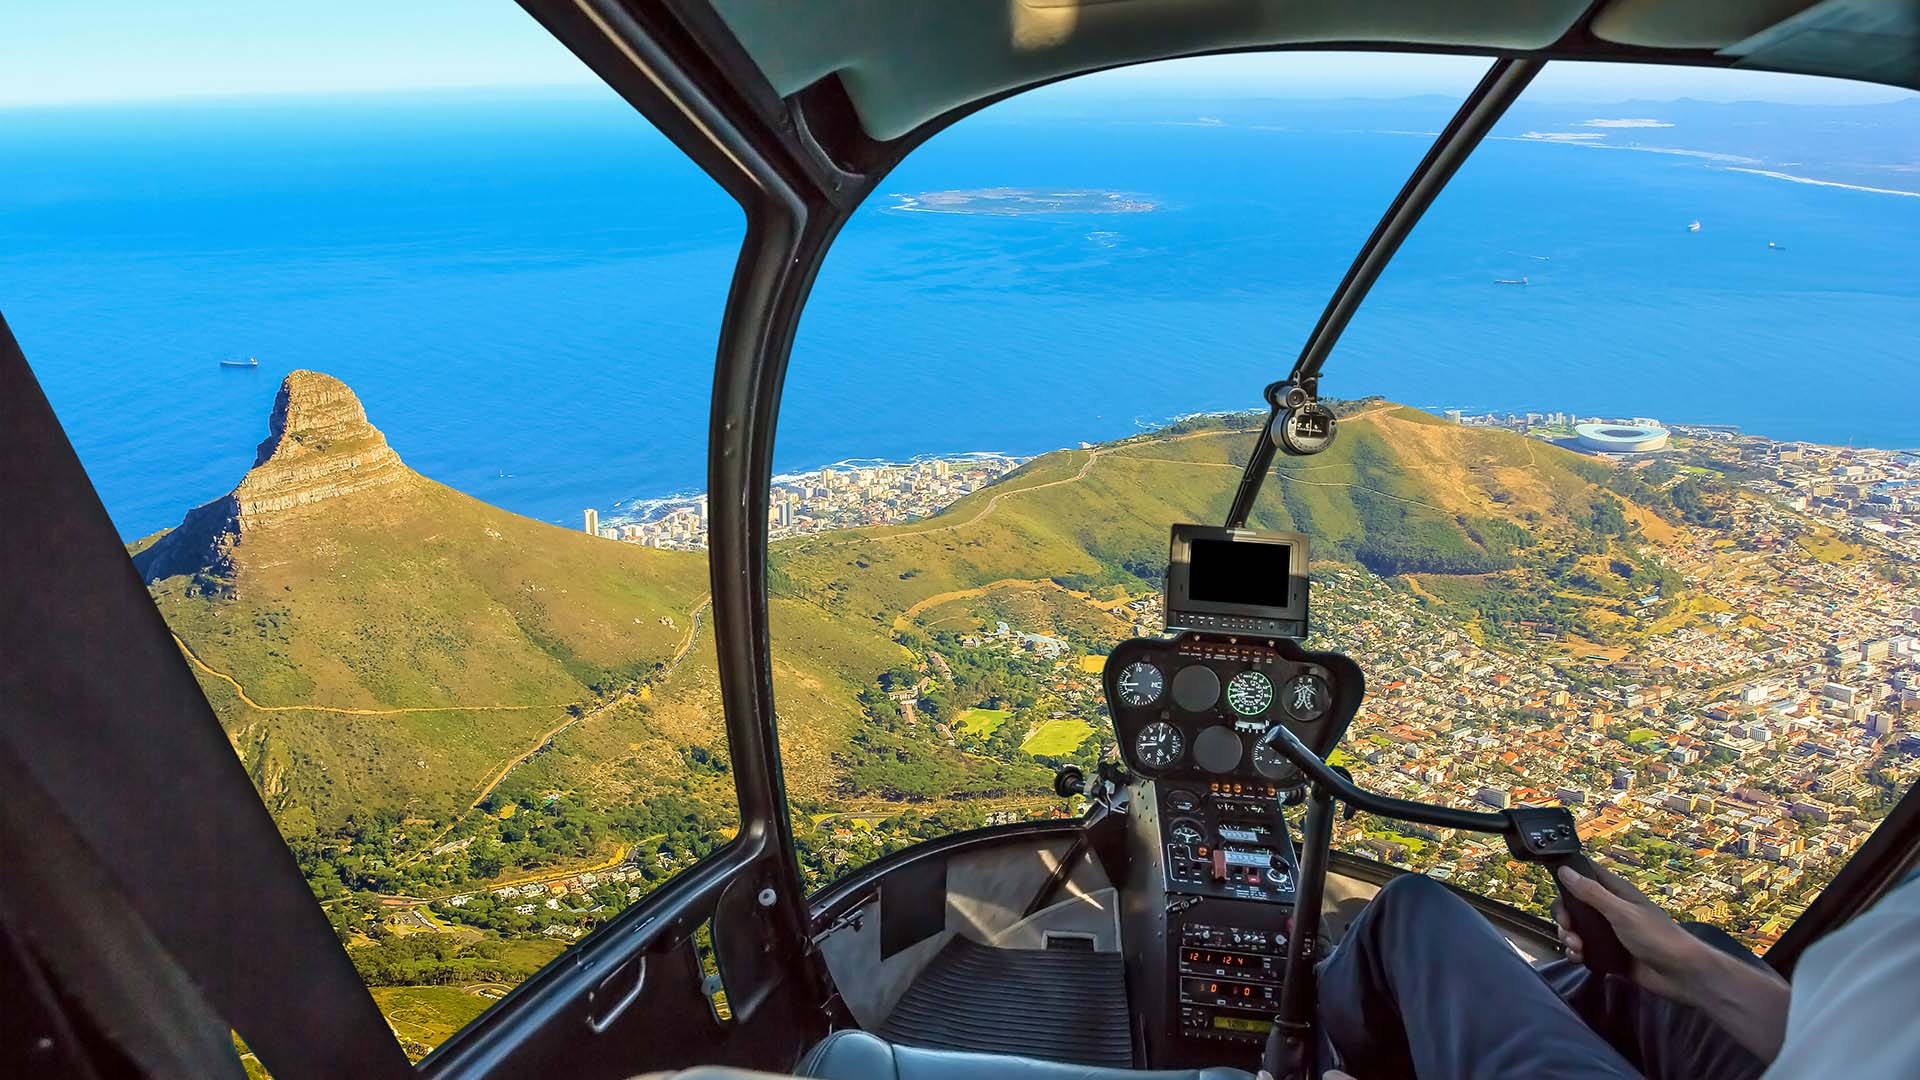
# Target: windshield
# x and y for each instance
(1609, 559)
(1592, 527)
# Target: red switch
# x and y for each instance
(1219, 864)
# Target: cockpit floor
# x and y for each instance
(1056, 1004)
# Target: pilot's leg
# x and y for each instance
(1423, 984)
(1666, 1040)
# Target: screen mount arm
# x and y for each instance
(1503, 82)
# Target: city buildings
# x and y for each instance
(834, 497)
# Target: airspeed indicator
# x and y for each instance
(1250, 693)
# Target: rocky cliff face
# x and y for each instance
(319, 447)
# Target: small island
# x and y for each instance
(1017, 202)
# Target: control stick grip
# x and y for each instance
(1069, 781)
(1599, 945)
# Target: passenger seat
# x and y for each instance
(861, 1055)
(857, 1055)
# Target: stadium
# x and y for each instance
(1620, 438)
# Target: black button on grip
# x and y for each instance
(1599, 945)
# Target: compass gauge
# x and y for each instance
(1306, 698)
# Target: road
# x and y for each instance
(404, 900)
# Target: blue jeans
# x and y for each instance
(1423, 985)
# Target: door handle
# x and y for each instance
(608, 1000)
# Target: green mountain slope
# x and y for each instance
(1400, 492)
(377, 643)
(392, 643)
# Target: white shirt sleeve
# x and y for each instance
(1855, 1009)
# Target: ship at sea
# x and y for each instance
(1693, 226)
(1510, 281)
(1775, 245)
(249, 362)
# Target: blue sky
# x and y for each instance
(122, 50)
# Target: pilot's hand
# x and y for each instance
(1666, 959)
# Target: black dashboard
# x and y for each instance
(1189, 713)
(1194, 707)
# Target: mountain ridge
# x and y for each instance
(319, 447)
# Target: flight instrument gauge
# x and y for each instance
(1306, 698)
(1140, 684)
(1272, 764)
(1305, 430)
(1250, 693)
(1159, 745)
(1186, 832)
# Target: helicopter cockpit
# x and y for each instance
(1209, 932)
(347, 772)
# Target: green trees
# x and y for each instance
(1609, 519)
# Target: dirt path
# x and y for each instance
(195, 660)
(686, 647)
(902, 620)
(658, 677)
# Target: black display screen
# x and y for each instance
(1225, 572)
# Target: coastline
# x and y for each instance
(648, 509)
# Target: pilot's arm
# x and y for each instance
(1748, 1001)
(1851, 1005)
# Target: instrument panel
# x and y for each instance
(1196, 705)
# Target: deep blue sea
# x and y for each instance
(526, 292)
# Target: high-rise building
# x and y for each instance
(593, 521)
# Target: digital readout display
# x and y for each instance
(1213, 958)
(1223, 990)
(1243, 1023)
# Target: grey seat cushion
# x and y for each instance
(857, 1055)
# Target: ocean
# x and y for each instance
(525, 290)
